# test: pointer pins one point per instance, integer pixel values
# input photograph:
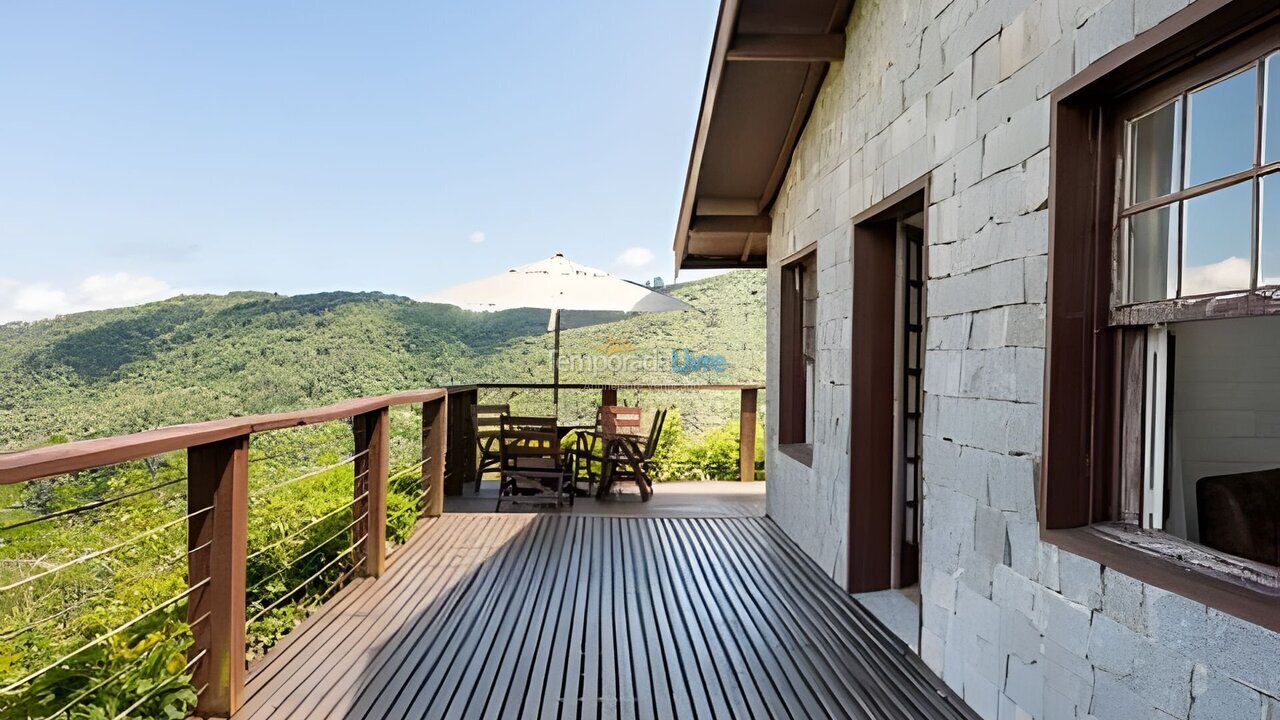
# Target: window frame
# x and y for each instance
(1095, 348)
(794, 410)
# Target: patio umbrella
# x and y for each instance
(556, 284)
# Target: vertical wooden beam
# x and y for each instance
(218, 477)
(609, 395)
(372, 438)
(747, 435)
(460, 453)
(435, 424)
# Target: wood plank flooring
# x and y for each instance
(491, 616)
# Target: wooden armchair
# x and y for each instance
(486, 420)
(532, 462)
(589, 445)
(627, 459)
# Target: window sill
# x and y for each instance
(1249, 591)
(800, 452)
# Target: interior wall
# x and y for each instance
(1226, 412)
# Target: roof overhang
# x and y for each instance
(768, 60)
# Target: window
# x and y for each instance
(798, 362)
(1162, 408)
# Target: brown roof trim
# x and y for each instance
(811, 43)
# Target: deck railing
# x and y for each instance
(216, 515)
(217, 523)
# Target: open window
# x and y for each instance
(1162, 417)
(798, 346)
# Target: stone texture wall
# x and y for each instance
(958, 89)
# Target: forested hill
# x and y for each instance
(201, 357)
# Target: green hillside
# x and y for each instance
(201, 357)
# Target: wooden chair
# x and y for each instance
(627, 459)
(486, 420)
(589, 446)
(531, 462)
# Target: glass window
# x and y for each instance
(1218, 241)
(1220, 128)
(1269, 229)
(1155, 152)
(1153, 254)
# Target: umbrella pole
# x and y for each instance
(555, 366)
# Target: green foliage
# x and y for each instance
(713, 456)
(141, 672)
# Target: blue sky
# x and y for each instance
(294, 146)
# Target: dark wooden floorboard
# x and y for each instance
(489, 617)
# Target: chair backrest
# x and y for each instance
(655, 432)
(486, 419)
(618, 420)
(526, 442)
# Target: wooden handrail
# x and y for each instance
(623, 386)
(85, 454)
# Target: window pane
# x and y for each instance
(1218, 241)
(1269, 263)
(1153, 254)
(1220, 128)
(1271, 112)
(1155, 143)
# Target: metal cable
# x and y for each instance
(308, 526)
(102, 638)
(90, 506)
(125, 713)
(313, 473)
(85, 601)
(320, 546)
(306, 582)
(104, 551)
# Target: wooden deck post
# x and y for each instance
(747, 435)
(460, 453)
(435, 414)
(609, 395)
(372, 437)
(218, 477)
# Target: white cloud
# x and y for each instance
(636, 258)
(1229, 274)
(39, 300)
(476, 237)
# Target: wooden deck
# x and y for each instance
(561, 616)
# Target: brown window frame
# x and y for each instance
(1093, 345)
(793, 406)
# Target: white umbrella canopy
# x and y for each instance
(556, 284)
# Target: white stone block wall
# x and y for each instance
(959, 89)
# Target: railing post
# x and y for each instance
(460, 455)
(435, 423)
(747, 435)
(609, 395)
(218, 477)
(372, 441)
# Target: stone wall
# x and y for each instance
(958, 89)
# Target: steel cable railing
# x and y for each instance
(104, 551)
(105, 627)
(305, 476)
(90, 506)
(88, 600)
(104, 637)
(319, 546)
(278, 601)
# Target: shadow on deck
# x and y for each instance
(564, 616)
(705, 499)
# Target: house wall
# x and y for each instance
(958, 89)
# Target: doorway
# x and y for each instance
(887, 395)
